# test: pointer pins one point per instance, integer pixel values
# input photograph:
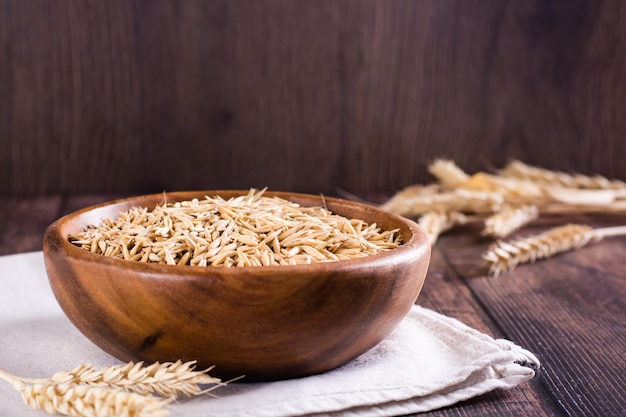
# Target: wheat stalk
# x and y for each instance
(509, 220)
(168, 379)
(448, 173)
(116, 390)
(506, 256)
(400, 202)
(508, 201)
(518, 169)
(435, 223)
(516, 185)
(459, 200)
(87, 401)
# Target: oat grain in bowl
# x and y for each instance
(249, 230)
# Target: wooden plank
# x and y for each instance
(446, 292)
(569, 310)
(24, 221)
(529, 400)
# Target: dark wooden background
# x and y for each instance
(155, 95)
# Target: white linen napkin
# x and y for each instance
(430, 361)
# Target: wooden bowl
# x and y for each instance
(264, 322)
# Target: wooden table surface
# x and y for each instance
(568, 310)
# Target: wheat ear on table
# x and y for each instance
(78, 400)
(509, 220)
(518, 169)
(448, 173)
(506, 256)
(130, 389)
(435, 223)
(167, 379)
(87, 401)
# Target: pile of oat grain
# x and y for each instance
(249, 230)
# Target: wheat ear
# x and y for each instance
(86, 401)
(505, 256)
(168, 379)
(400, 202)
(448, 173)
(435, 223)
(116, 390)
(461, 200)
(509, 220)
(518, 169)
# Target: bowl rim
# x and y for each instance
(56, 241)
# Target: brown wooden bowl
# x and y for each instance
(264, 322)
